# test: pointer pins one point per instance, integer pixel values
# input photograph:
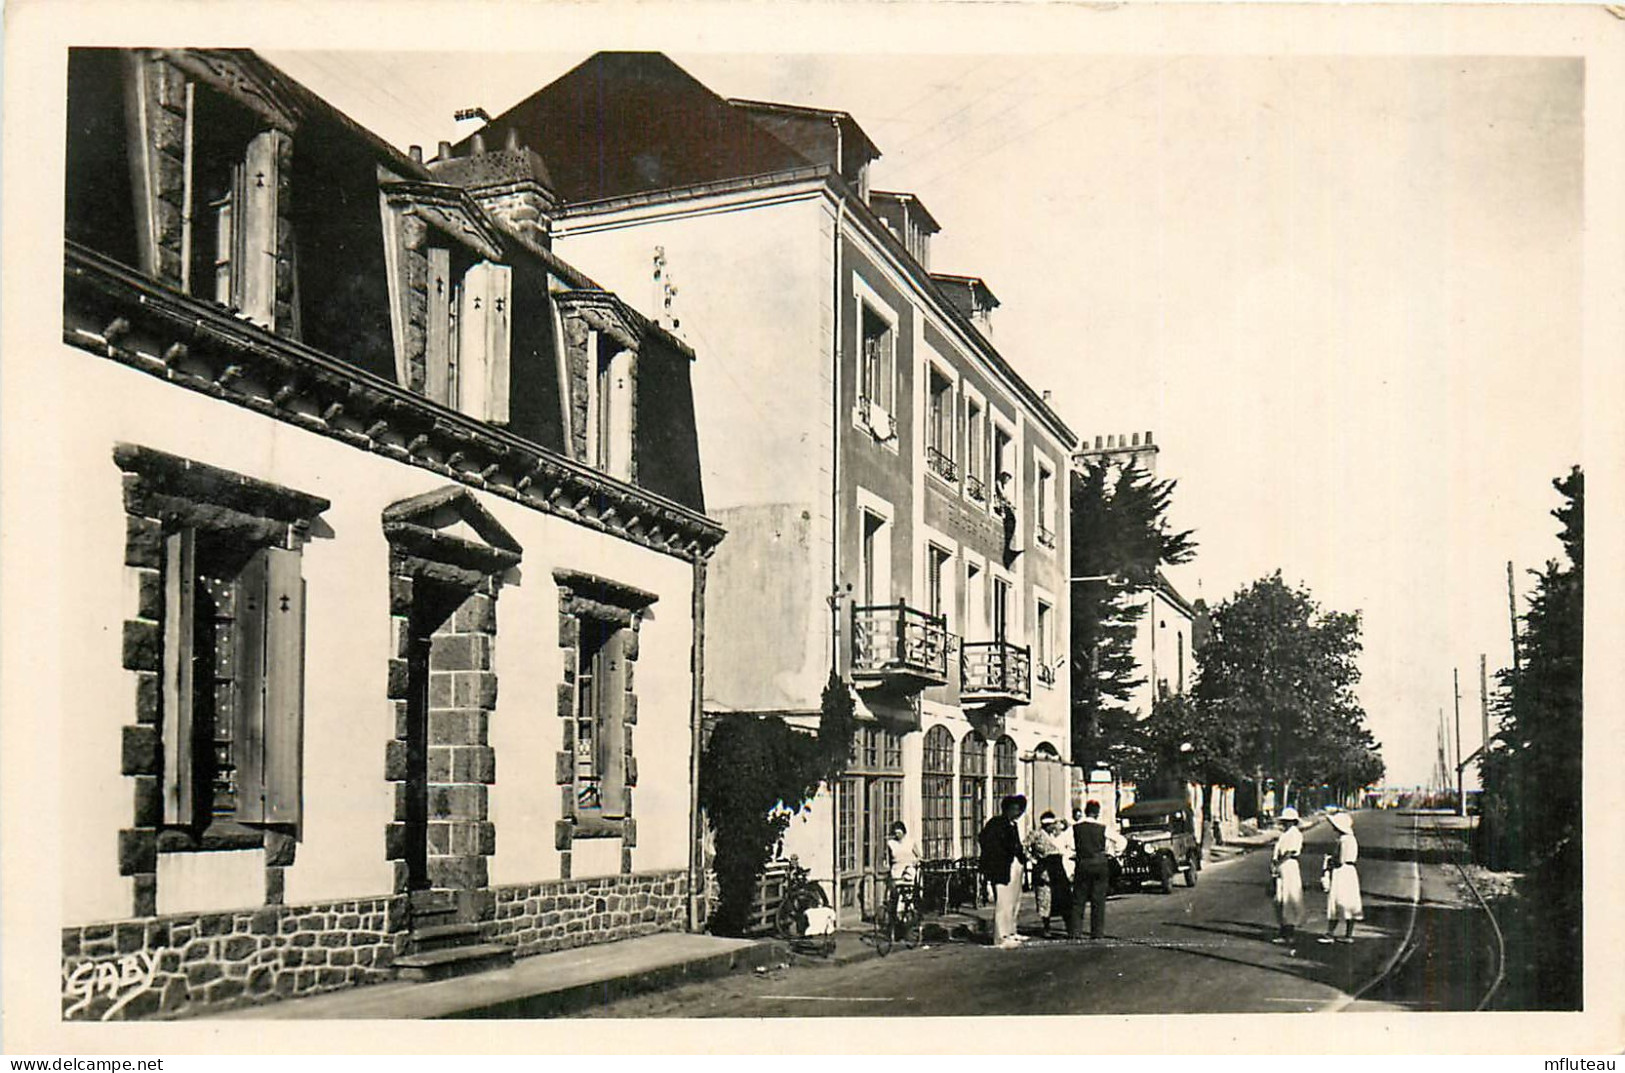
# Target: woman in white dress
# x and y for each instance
(1287, 890)
(1342, 881)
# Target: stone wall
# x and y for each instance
(537, 917)
(191, 963)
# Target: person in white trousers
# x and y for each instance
(1004, 862)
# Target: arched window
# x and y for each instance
(937, 795)
(972, 792)
(1004, 769)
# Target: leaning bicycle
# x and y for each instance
(801, 894)
(898, 919)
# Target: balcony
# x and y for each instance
(975, 488)
(897, 644)
(941, 464)
(1044, 535)
(994, 672)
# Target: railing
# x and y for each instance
(975, 488)
(895, 639)
(995, 670)
(941, 464)
(1046, 673)
(1044, 535)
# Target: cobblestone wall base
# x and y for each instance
(537, 917)
(190, 963)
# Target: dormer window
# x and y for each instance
(609, 407)
(444, 255)
(467, 338)
(233, 180)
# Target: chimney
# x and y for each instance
(445, 151)
(512, 144)
(477, 144)
(416, 153)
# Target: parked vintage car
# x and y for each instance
(1162, 840)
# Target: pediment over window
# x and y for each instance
(448, 208)
(449, 526)
(604, 313)
(241, 76)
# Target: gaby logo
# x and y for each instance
(121, 979)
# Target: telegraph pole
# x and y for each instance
(1483, 708)
(1512, 611)
(1461, 800)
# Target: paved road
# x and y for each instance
(1201, 950)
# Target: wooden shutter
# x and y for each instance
(483, 317)
(612, 724)
(180, 582)
(256, 222)
(438, 357)
(248, 677)
(619, 410)
(284, 705)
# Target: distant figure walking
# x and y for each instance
(1287, 893)
(1092, 873)
(1342, 881)
(1051, 890)
(1003, 863)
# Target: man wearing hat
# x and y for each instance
(1287, 892)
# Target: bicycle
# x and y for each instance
(801, 893)
(898, 919)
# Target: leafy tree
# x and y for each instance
(756, 772)
(1121, 535)
(1532, 772)
(1278, 676)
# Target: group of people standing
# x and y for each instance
(1058, 889)
(1071, 871)
(1338, 878)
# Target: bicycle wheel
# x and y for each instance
(885, 930)
(911, 926)
(791, 921)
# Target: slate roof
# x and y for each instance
(624, 123)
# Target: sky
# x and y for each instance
(1344, 292)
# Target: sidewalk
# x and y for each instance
(546, 985)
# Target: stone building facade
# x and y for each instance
(856, 421)
(388, 548)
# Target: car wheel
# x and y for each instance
(1165, 873)
(1193, 864)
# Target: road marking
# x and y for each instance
(834, 998)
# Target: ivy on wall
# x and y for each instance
(755, 774)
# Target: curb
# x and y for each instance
(602, 992)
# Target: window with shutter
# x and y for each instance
(484, 315)
(233, 681)
(230, 182)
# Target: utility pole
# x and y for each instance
(1461, 800)
(1483, 708)
(1512, 610)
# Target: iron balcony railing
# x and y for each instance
(995, 670)
(895, 640)
(941, 464)
(975, 488)
(1044, 535)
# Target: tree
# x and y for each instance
(1532, 773)
(756, 773)
(1120, 536)
(1277, 678)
